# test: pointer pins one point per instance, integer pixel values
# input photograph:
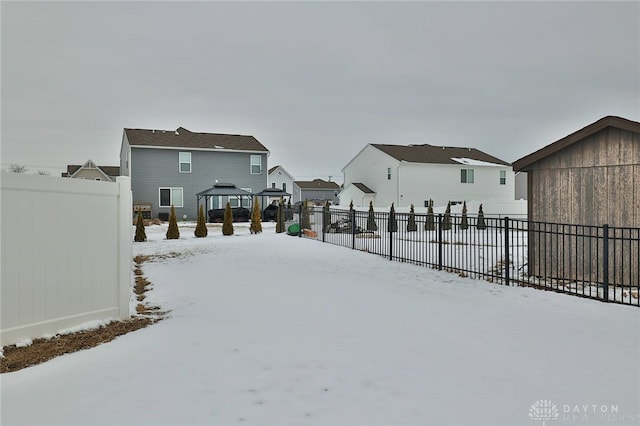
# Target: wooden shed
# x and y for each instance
(584, 181)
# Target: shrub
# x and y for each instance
(140, 234)
(446, 221)
(172, 232)
(464, 222)
(480, 224)
(371, 219)
(256, 225)
(326, 216)
(227, 224)
(393, 223)
(280, 225)
(305, 223)
(201, 228)
(430, 223)
(411, 223)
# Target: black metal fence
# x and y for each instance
(598, 262)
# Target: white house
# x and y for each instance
(414, 174)
(279, 178)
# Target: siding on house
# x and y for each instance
(152, 169)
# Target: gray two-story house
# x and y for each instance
(169, 167)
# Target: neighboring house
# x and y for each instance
(591, 177)
(169, 167)
(358, 193)
(279, 178)
(521, 185)
(588, 178)
(91, 171)
(317, 190)
(414, 174)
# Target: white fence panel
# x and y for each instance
(66, 253)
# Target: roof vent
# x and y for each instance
(443, 147)
(153, 131)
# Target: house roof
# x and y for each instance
(111, 171)
(183, 138)
(436, 154)
(364, 188)
(316, 184)
(603, 123)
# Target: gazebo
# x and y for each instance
(270, 192)
(221, 189)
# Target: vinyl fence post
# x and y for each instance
(507, 260)
(605, 259)
(440, 241)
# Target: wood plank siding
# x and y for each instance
(590, 178)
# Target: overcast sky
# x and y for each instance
(313, 81)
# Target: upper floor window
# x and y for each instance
(466, 176)
(256, 164)
(284, 186)
(170, 197)
(185, 162)
(273, 185)
(388, 173)
(503, 177)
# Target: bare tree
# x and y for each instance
(17, 168)
(43, 173)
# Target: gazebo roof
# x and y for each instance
(223, 189)
(272, 192)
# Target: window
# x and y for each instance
(503, 177)
(256, 164)
(284, 186)
(185, 162)
(466, 176)
(388, 173)
(170, 197)
(273, 185)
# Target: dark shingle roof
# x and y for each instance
(317, 184)
(183, 138)
(603, 123)
(364, 188)
(435, 154)
(111, 171)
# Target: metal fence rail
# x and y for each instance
(597, 262)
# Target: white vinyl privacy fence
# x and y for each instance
(66, 253)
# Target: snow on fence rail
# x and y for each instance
(598, 262)
(66, 253)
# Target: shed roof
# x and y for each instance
(436, 154)
(183, 138)
(603, 123)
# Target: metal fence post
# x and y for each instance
(353, 229)
(605, 266)
(440, 241)
(507, 260)
(300, 220)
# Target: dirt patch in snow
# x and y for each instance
(41, 350)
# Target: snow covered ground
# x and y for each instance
(273, 329)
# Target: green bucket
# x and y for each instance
(293, 229)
